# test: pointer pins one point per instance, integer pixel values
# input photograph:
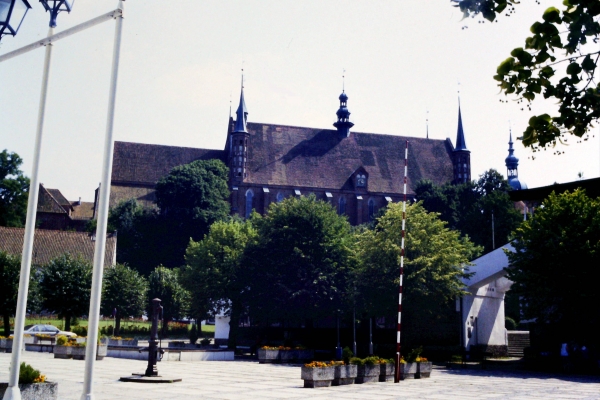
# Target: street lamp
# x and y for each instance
(12, 14)
(56, 6)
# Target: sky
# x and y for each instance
(404, 61)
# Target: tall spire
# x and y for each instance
(242, 112)
(343, 123)
(512, 165)
(427, 124)
(460, 134)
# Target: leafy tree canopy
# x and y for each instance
(556, 263)
(469, 207)
(164, 284)
(14, 189)
(9, 287)
(213, 272)
(299, 266)
(125, 291)
(436, 260)
(65, 285)
(557, 62)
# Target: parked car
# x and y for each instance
(50, 330)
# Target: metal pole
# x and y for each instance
(398, 372)
(370, 336)
(493, 234)
(354, 331)
(99, 250)
(13, 392)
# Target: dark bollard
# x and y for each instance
(153, 343)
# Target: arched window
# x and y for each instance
(279, 197)
(249, 199)
(342, 206)
(371, 209)
(361, 180)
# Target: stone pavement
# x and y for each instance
(250, 380)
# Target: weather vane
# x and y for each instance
(344, 80)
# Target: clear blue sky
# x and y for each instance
(181, 63)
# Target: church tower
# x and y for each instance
(461, 157)
(512, 165)
(238, 154)
(343, 123)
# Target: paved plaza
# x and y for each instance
(250, 380)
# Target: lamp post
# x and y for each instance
(12, 14)
(13, 392)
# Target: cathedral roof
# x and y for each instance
(146, 163)
(282, 155)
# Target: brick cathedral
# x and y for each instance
(357, 173)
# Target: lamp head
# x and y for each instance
(56, 6)
(12, 13)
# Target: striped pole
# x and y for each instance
(398, 374)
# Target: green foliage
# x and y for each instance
(28, 374)
(557, 62)
(65, 285)
(14, 190)
(62, 340)
(124, 289)
(413, 354)
(9, 287)
(554, 268)
(213, 272)
(347, 354)
(469, 207)
(164, 284)
(193, 334)
(299, 266)
(510, 324)
(357, 361)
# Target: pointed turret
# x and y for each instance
(512, 165)
(461, 157)
(343, 123)
(241, 114)
(238, 145)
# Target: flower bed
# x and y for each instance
(318, 374)
(33, 385)
(372, 369)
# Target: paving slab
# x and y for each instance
(235, 380)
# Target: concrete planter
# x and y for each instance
(78, 353)
(62, 351)
(367, 373)
(123, 342)
(344, 375)
(268, 356)
(423, 370)
(35, 391)
(386, 372)
(408, 370)
(317, 377)
(6, 345)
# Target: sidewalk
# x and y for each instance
(250, 380)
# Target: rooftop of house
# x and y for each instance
(49, 244)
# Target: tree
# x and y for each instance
(554, 62)
(123, 294)
(555, 264)
(213, 272)
(469, 208)
(164, 284)
(9, 287)
(65, 284)
(190, 198)
(14, 188)
(436, 260)
(298, 268)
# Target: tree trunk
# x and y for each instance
(234, 324)
(165, 329)
(67, 322)
(6, 320)
(117, 324)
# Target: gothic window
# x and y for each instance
(249, 199)
(279, 197)
(361, 180)
(342, 206)
(371, 209)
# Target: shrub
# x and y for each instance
(79, 330)
(357, 361)
(510, 324)
(347, 354)
(27, 375)
(61, 340)
(414, 354)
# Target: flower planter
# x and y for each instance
(123, 342)
(423, 370)
(62, 351)
(35, 391)
(386, 372)
(268, 356)
(317, 377)
(367, 373)
(409, 370)
(344, 375)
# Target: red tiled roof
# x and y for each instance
(48, 244)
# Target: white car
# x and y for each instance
(50, 330)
